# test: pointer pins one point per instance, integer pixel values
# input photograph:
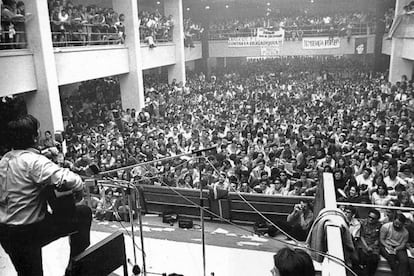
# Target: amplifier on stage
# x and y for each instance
(185, 223)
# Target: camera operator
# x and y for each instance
(300, 220)
(26, 179)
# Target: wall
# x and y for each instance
(408, 49)
(80, 64)
(193, 53)
(386, 46)
(17, 72)
(162, 55)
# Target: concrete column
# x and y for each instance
(176, 71)
(132, 86)
(398, 65)
(44, 104)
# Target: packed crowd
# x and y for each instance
(274, 130)
(74, 25)
(12, 28)
(297, 25)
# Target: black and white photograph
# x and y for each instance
(207, 137)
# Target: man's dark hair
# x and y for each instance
(23, 131)
(375, 211)
(400, 217)
(291, 262)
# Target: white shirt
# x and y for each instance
(23, 176)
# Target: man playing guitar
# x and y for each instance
(26, 181)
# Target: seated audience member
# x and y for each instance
(290, 262)
(369, 245)
(297, 189)
(380, 196)
(393, 242)
(354, 224)
(351, 195)
(106, 206)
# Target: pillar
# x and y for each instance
(398, 65)
(131, 84)
(44, 104)
(176, 71)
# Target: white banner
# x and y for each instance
(261, 58)
(311, 43)
(265, 33)
(269, 51)
(255, 41)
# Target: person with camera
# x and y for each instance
(27, 183)
(298, 222)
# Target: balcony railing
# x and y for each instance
(12, 35)
(292, 33)
(77, 34)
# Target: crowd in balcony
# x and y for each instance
(297, 25)
(79, 25)
(155, 27)
(12, 27)
(192, 32)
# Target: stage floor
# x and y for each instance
(229, 250)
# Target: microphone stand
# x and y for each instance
(129, 192)
(203, 239)
(198, 153)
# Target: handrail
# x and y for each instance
(85, 38)
(9, 43)
(301, 31)
(408, 209)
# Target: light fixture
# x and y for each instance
(268, 3)
(207, 7)
(158, 2)
(188, 9)
(227, 6)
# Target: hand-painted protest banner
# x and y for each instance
(255, 41)
(315, 43)
(269, 51)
